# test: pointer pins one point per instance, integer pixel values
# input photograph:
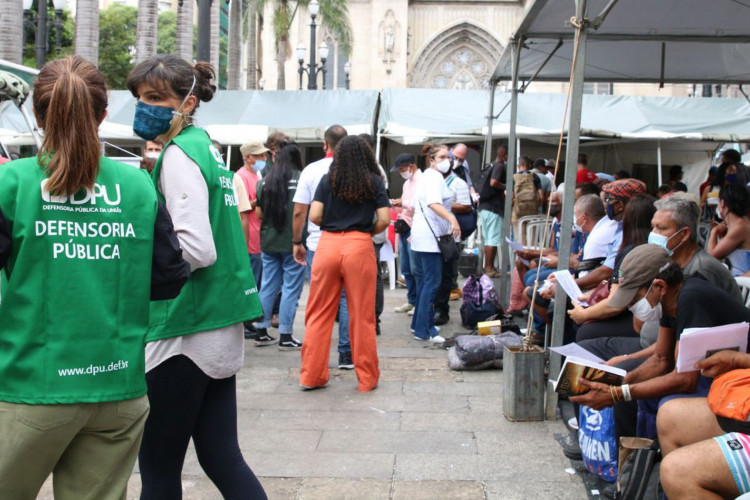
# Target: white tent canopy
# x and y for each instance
(234, 117)
(689, 41)
(411, 116)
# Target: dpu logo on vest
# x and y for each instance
(86, 196)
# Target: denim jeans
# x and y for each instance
(405, 257)
(427, 269)
(344, 345)
(257, 267)
(280, 271)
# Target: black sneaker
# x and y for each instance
(571, 449)
(289, 344)
(345, 361)
(263, 338)
(250, 331)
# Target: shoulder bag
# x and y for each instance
(446, 244)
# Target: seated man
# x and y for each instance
(651, 284)
(709, 456)
(588, 217)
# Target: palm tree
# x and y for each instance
(334, 14)
(251, 44)
(11, 35)
(148, 20)
(234, 52)
(184, 35)
(87, 30)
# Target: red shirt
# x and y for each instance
(250, 179)
(585, 175)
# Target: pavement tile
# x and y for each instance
(474, 421)
(329, 420)
(344, 489)
(515, 490)
(459, 388)
(430, 490)
(398, 442)
(279, 439)
(352, 465)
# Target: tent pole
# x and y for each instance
(378, 136)
(505, 265)
(659, 175)
(488, 139)
(571, 161)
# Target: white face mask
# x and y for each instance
(643, 310)
(152, 155)
(406, 175)
(444, 166)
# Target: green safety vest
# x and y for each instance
(223, 293)
(75, 298)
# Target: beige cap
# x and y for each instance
(253, 148)
(640, 267)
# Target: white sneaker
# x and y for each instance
(411, 311)
(404, 308)
(573, 423)
(437, 339)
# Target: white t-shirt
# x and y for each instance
(431, 189)
(459, 190)
(306, 187)
(597, 242)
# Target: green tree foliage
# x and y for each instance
(117, 28)
(66, 37)
(166, 43)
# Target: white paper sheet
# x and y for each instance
(576, 350)
(516, 247)
(566, 281)
(698, 343)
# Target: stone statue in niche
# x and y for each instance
(389, 31)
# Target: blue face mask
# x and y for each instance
(259, 165)
(658, 239)
(151, 121)
(611, 211)
(732, 178)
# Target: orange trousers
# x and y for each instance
(341, 259)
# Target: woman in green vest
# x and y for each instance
(81, 236)
(196, 341)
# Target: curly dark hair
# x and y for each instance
(351, 171)
(276, 184)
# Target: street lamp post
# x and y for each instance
(204, 30)
(39, 25)
(347, 71)
(312, 69)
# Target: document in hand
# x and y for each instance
(566, 281)
(699, 343)
(574, 368)
(517, 247)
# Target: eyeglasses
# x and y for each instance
(610, 200)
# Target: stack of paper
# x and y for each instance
(699, 343)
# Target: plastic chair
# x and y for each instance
(521, 226)
(535, 233)
(744, 283)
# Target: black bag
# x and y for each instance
(446, 243)
(401, 226)
(448, 248)
(467, 222)
(639, 474)
(487, 192)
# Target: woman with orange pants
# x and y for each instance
(344, 206)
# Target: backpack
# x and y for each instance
(487, 192)
(467, 222)
(525, 197)
(639, 470)
(480, 301)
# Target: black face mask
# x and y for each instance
(554, 210)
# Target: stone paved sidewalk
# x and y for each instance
(426, 432)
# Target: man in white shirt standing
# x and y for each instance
(306, 187)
